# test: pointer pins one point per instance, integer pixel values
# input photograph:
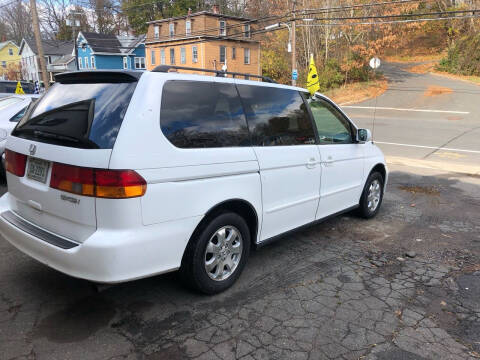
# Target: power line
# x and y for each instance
(358, 6)
(393, 21)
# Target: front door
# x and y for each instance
(284, 142)
(342, 158)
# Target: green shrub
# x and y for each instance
(463, 57)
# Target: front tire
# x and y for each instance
(217, 253)
(372, 196)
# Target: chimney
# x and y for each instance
(189, 12)
(216, 9)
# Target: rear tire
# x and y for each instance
(217, 253)
(372, 196)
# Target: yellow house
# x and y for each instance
(9, 61)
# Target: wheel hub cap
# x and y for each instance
(223, 253)
(374, 195)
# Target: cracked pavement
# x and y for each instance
(405, 285)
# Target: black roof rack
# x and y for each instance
(220, 73)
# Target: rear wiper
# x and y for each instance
(55, 136)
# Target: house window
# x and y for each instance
(194, 53)
(125, 62)
(162, 57)
(188, 27)
(246, 30)
(172, 56)
(183, 55)
(10, 51)
(86, 62)
(4, 64)
(139, 62)
(223, 51)
(152, 55)
(156, 31)
(234, 53)
(223, 28)
(246, 56)
(171, 29)
(92, 61)
(80, 65)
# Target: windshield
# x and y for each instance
(78, 115)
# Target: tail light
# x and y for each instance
(112, 184)
(15, 163)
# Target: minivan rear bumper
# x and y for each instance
(108, 255)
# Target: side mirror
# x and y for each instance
(364, 135)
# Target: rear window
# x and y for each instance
(9, 87)
(85, 115)
(196, 114)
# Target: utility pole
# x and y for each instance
(294, 45)
(38, 40)
(74, 23)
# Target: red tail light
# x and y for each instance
(113, 184)
(15, 163)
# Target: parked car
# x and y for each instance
(12, 108)
(8, 87)
(116, 176)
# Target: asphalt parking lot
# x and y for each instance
(405, 285)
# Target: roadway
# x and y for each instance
(413, 123)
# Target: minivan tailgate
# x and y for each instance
(62, 213)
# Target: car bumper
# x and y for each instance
(107, 256)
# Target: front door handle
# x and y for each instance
(312, 162)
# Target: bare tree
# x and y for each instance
(16, 21)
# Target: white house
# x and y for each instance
(58, 57)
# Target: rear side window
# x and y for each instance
(8, 87)
(276, 116)
(196, 114)
(83, 115)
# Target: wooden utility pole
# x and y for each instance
(38, 40)
(294, 45)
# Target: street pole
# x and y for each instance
(38, 40)
(294, 52)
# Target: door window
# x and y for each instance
(332, 126)
(276, 116)
(197, 114)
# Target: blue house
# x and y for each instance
(103, 51)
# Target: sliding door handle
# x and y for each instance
(311, 163)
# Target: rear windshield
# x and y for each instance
(78, 115)
(9, 87)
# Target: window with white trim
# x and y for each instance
(139, 63)
(223, 28)
(125, 62)
(80, 64)
(246, 56)
(194, 53)
(86, 62)
(246, 31)
(163, 61)
(171, 29)
(234, 53)
(183, 55)
(4, 64)
(92, 61)
(188, 27)
(10, 51)
(152, 55)
(172, 56)
(223, 53)
(156, 31)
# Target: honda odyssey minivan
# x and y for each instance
(119, 175)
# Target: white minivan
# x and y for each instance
(119, 175)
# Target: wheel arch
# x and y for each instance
(381, 168)
(239, 206)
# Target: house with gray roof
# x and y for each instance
(106, 51)
(58, 57)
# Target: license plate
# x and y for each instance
(37, 169)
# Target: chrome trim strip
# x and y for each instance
(37, 232)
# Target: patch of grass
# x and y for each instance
(357, 92)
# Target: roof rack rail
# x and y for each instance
(220, 73)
